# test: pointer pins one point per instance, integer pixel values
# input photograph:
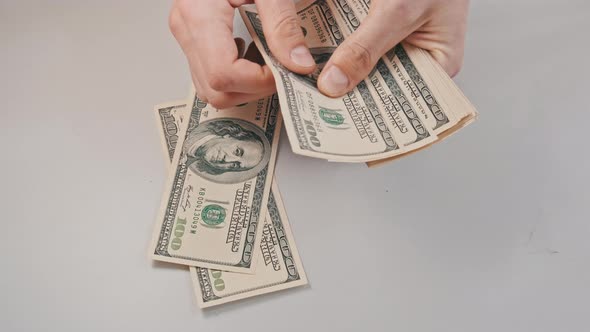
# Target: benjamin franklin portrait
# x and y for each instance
(227, 150)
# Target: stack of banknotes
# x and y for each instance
(222, 213)
(221, 216)
(407, 103)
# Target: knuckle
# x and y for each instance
(403, 8)
(454, 68)
(405, 12)
(358, 56)
(217, 100)
(451, 62)
(219, 81)
(184, 6)
(286, 26)
(175, 22)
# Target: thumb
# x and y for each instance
(354, 59)
(284, 35)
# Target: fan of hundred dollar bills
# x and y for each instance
(221, 212)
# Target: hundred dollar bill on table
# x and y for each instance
(170, 116)
(403, 106)
(215, 201)
(278, 267)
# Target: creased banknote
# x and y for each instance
(279, 266)
(215, 201)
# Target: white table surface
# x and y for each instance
(487, 231)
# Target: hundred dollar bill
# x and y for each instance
(391, 113)
(279, 266)
(170, 115)
(402, 61)
(399, 62)
(216, 197)
(436, 83)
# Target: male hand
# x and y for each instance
(437, 26)
(204, 30)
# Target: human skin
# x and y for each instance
(204, 30)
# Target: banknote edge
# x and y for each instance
(271, 288)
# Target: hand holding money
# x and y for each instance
(204, 29)
(406, 102)
(219, 214)
(435, 26)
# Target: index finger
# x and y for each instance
(224, 70)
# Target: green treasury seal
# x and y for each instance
(331, 117)
(213, 215)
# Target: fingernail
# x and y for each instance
(301, 56)
(334, 82)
